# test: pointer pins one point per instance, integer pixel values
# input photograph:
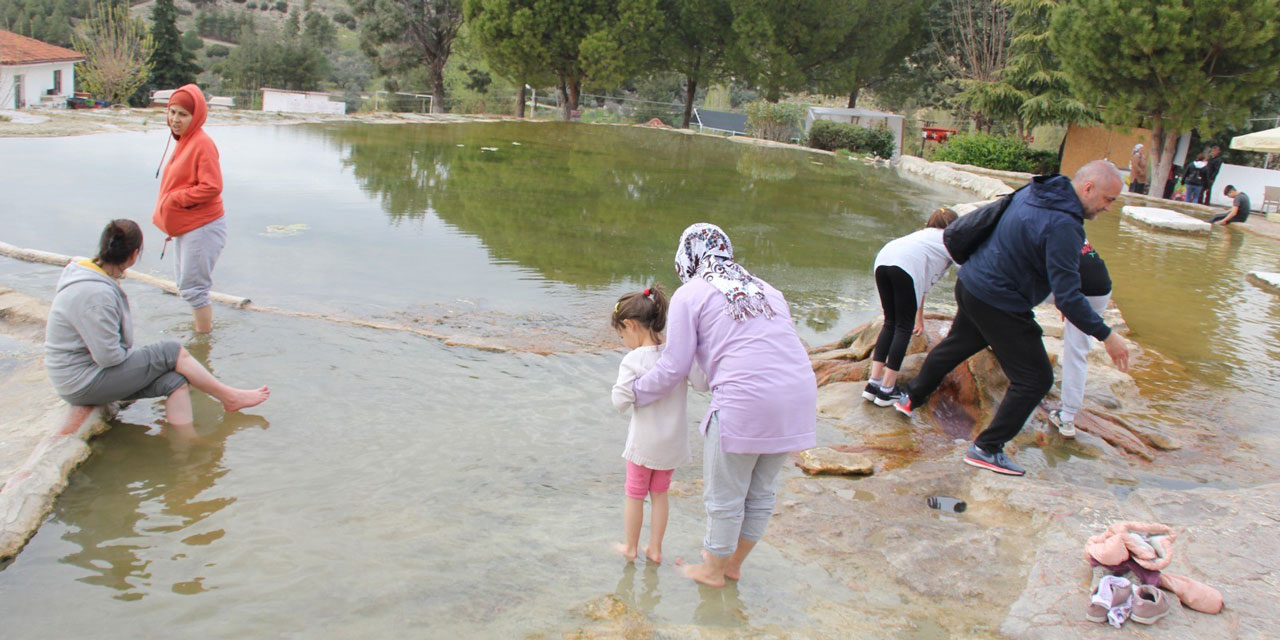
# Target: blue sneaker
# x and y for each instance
(997, 462)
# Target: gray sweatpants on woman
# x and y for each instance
(1075, 368)
(738, 492)
(195, 253)
(148, 372)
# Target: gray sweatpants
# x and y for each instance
(738, 492)
(1075, 367)
(147, 372)
(195, 254)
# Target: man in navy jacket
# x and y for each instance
(1033, 251)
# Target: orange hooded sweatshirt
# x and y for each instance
(191, 188)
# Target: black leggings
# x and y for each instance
(898, 299)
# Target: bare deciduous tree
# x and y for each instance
(974, 46)
(117, 52)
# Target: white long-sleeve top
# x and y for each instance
(922, 255)
(658, 436)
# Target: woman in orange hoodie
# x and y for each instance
(189, 208)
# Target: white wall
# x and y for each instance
(293, 102)
(1249, 180)
(37, 79)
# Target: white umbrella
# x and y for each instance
(1265, 141)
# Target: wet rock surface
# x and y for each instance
(41, 442)
(828, 461)
(1012, 564)
(1166, 219)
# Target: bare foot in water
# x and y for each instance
(733, 571)
(628, 552)
(654, 555)
(245, 398)
(704, 573)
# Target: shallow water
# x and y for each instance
(393, 483)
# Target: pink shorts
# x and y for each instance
(641, 481)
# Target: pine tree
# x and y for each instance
(1175, 64)
(172, 65)
(1035, 72)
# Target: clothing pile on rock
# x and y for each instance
(1144, 550)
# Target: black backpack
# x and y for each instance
(968, 232)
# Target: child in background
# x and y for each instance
(657, 441)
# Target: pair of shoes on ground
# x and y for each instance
(1145, 605)
(873, 392)
(1066, 428)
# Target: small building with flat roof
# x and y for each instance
(865, 118)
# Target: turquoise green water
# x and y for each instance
(393, 484)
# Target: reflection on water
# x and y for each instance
(115, 504)
(595, 207)
(402, 217)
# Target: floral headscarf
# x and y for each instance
(705, 251)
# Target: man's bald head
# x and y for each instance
(1097, 184)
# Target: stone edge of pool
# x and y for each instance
(47, 442)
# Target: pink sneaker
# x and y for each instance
(1120, 589)
(1149, 605)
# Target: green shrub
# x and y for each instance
(778, 121)
(218, 51)
(345, 19)
(830, 136)
(996, 152)
(282, 6)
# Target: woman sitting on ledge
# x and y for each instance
(88, 346)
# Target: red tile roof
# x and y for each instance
(16, 49)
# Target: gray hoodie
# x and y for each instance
(90, 328)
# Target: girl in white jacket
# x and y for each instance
(657, 441)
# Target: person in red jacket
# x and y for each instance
(189, 207)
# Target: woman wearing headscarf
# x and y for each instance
(189, 207)
(739, 330)
(1138, 170)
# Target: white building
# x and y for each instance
(865, 118)
(285, 101)
(34, 73)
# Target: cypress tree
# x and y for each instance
(172, 65)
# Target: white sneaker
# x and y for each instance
(1066, 428)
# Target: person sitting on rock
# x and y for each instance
(1239, 207)
(905, 270)
(89, 352)
(1095, 284)
(1034, 250)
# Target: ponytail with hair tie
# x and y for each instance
(651, 313)
(119, 240)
